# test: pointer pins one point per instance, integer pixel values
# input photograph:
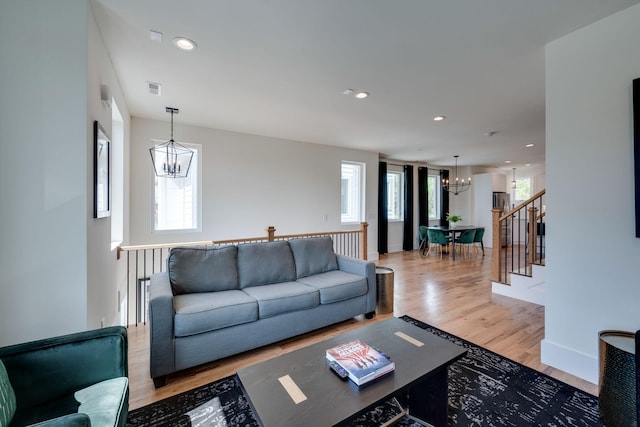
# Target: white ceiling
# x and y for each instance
(279, 67)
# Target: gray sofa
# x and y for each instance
(215, 302)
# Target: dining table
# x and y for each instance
(458, 229)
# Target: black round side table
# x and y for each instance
(617, 396)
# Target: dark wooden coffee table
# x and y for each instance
(419, 381)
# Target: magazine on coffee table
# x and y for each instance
(362, 362)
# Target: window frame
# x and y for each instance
(529, 181)
(395, 197)
(117, 181)
(356, 200)
(197, 193)
(437, 197)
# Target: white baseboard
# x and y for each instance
(571, 361)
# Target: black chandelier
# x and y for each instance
(457, 186)
(171, 159)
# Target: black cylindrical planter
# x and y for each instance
(617, 397)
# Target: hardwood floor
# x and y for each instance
(454, 296)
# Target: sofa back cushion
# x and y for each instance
(313, 255)
(265, 263)
(203, 269)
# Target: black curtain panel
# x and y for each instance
(408, 234)
(444, 199)
(383, 219)
(423, 196)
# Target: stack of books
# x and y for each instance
(361, 362)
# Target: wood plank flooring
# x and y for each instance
(454, 296)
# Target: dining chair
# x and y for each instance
(466, 239)
(437, 238)
(477, 238)
(422, 236)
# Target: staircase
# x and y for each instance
(524, 287)
(519, 251)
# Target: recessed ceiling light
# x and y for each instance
(347, 91)
(529, 145)
(507, 161)
(528, 164)
(439, 118)
(361, 95)
(184, 43)
(492, 133)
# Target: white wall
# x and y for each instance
(44, 144)
(462, 203)
(592, 252)
(47, 230)
(250, 182)
(483, 188)
(105, 276)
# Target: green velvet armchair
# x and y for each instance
(72, 380)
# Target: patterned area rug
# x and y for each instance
(485, 389)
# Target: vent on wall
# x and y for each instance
(155, 88)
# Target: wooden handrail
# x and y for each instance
(270, 237)
(523, 204)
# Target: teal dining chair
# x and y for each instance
(477, 238)
(437, 238)
(466, 240)
(422, 236)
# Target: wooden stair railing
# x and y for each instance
(517, 248)
(145, 260)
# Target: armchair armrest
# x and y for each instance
(161, 315)
(71, 420)
(361, 268)
(53, 367)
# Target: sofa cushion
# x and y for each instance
(7, 398)
(279, 298)
(103, 402)
(337, 285)
(203, 312)
(265, 263)
(202, 269)
(313, 255)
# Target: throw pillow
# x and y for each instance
(7, 398)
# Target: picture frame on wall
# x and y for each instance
(101, 172)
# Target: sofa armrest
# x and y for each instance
(361, 268)
(42, 370)
(161, 315)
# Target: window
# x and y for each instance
(176, 200)
(523, 190)
(352, 192)
(433, 190)
(117, 174)
(395, 196)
